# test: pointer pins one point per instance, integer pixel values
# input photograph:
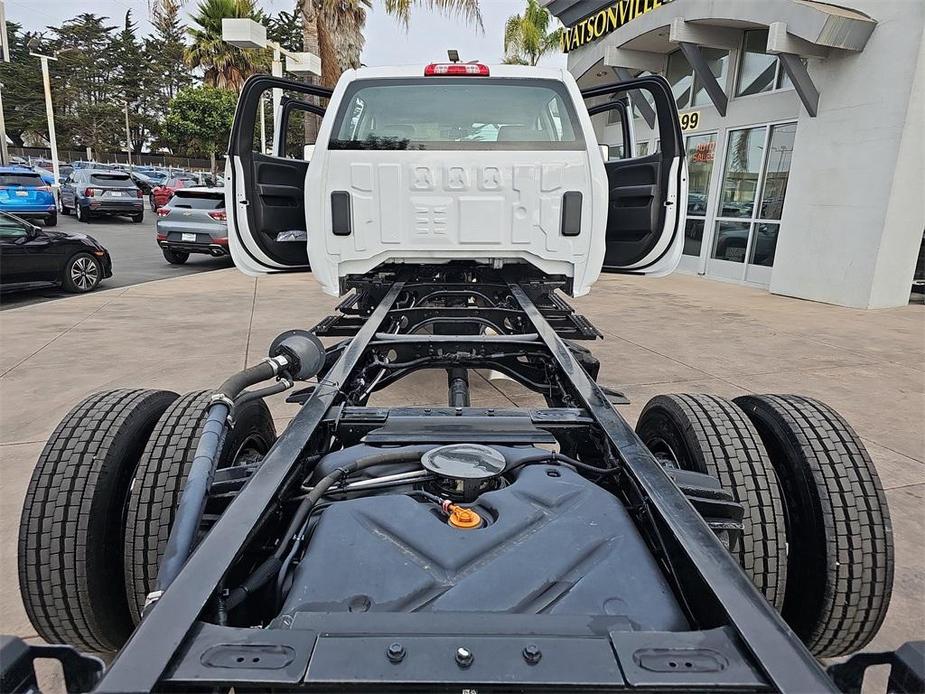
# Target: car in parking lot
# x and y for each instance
(32, 257)
(193, 221)
(161, 194)
(94, 192)
(24, 193)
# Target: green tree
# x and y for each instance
(527, 37)
(23, 98)
(165, 48)
(223, 65)
(135, 83)
(286, 29)
(88, 110)
(199, 121)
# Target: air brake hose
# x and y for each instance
(196, 487)
(271, 566)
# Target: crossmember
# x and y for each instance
(458, 320)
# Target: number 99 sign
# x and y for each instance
(690, 120)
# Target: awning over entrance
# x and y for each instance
(637, 35)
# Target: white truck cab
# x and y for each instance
(452, 162)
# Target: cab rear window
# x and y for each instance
(21, 179)
(457, 113)
(197, 201)
(112, 180)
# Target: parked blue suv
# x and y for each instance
(25, 194)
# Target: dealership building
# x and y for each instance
(804, 125)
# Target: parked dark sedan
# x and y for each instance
(93, 192)
(32, 257)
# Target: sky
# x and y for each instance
(387, 42)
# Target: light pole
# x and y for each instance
(128, 139)
(249, 35)
(49, 111)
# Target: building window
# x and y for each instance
(687, 89)
(755, 182)
(759, 71)
(700, 153)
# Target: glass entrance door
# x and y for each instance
(701, 150)
(744, 235)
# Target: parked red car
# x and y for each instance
(159, 195)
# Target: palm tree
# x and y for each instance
(526, 36)
(223, 65)
(333, 30)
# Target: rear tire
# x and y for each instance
(82, 216)
(138, 218)
(161, 474)
(62, 208)
(71, 530)
(175, 257)
(838, 523)
(709, 434)
(51, 220)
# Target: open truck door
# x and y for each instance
(646, 174)
(265, 190)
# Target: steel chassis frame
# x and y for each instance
(533, 343)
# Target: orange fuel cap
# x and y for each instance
(464, 518)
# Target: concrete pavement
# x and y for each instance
(679, 334)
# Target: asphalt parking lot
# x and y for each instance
(136, 257)
(678, 334)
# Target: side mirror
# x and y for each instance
(605, 152)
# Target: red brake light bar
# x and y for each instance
(452, 69)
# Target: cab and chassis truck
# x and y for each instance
(721, 545)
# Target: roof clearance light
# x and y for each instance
(453, 69)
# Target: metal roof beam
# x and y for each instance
(682, 31)
(781, 41)
(635, 60)
(705, 75)
(638, 99)
(795, 68)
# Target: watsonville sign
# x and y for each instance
(606, 20)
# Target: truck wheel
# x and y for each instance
(70, 533)
(709, 434)
(161, 473)
(840, 564)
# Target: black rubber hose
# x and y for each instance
(552, 457)
(196, 487)
(193, 498)
(249, 395)
(251, 376)
(271, 566)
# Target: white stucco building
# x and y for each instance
(805, 132)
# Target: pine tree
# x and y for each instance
(84, 84)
